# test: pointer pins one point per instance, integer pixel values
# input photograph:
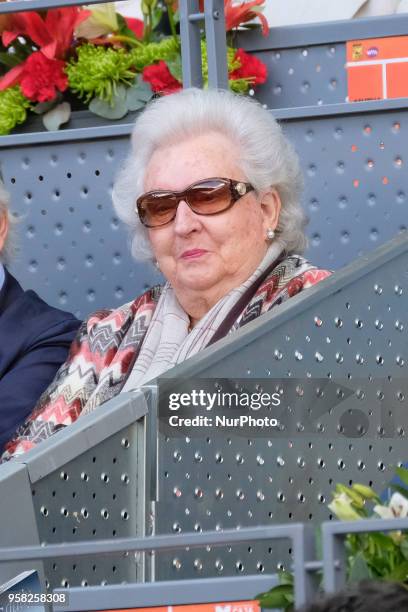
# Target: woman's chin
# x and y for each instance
(196, 278)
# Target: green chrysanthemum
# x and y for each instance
(232, 64)
(13, 109)
(98, 71)
(153, 52)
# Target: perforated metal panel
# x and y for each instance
(356, 183)
(94, 496)
(88, 482)
(304, 76)
(74, 251)
(355, 331)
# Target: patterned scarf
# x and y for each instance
(111, 342)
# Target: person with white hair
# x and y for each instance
(34, 337)
(210, 192)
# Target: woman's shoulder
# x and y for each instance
(293, 267)
(296, 264)
(297, 267)
(291, 275)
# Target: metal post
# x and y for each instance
(334, 559)
(304, 553)
(216, 44)
(190, 44)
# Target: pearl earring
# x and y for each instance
(270, 234)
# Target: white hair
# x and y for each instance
(9, 248)
(264, 155)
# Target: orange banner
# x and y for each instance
(377, 68)
(234, 606)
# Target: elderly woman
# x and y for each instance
(210, 191)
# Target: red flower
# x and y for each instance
(42, 77)
(246, 11)
(236, 14)
(136, 25)
(251, 68)
(53, 35)
(160, 78)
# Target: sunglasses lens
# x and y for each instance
(209, 197)
(157, 209)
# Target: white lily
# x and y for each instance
(103, 20)
(397, 507)
(342, 508)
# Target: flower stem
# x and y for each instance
(126, 39)
(149, 27)
(171, 22)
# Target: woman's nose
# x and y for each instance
(186, 220)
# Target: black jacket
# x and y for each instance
(34, 342)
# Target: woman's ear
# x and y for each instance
(271, 206)
(4, 226)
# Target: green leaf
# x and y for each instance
(175, 68)
(57, 116)
(138, 95)
(399, 573)
(44, 107)
(124, 29)
(144, 90)
(404, 548)
(116, 110)
(383, 541)
(9, 59)
(359, 569)
(285, 578)
(403, 474)
(279, 597)
(133, 103)
(157, 16)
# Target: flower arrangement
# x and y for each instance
(375, 556)
(92, 57)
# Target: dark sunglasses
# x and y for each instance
(208, 197)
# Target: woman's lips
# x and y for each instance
(193, 253)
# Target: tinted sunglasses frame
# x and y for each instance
(237, 190)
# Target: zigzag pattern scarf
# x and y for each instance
(110, 343)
